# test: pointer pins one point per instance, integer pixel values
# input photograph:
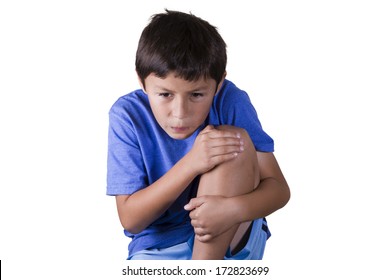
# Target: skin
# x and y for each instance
(179, 106)
(219, 216)
(229, 179)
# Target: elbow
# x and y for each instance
(281, 192)
(130, 218)
(284, 191)
(132, 226)
(131, 223)
(285, 195)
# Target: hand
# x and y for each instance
(213, 147)
(210, 216)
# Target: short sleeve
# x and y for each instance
(236, 108)
(125, 169)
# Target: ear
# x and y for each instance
(141, 84)
(221, 83)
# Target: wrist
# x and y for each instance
(238, 210)
(187, 166)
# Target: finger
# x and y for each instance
(207, 129)
(225, 141)
(193, 216)
(204, 238)
(225, 150)
(200, 231)
(194, 203)
(215, 133)
(194, 223)
(216, 160)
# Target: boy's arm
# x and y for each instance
(211, 147)
(140, 209)
(271, 194)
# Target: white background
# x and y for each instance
(318, 73)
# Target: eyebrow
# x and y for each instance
(201, 88)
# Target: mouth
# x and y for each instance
(179, 129)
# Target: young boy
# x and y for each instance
(191, 168)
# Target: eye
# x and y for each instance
(196, 95)
(165, 94)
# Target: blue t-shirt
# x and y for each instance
(140, 152)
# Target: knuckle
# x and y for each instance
(206, 238)
(202, 238)
(234, 129)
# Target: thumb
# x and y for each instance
(207, 128)
(194, 203)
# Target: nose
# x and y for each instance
(180, 108)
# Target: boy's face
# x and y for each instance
(180, 106)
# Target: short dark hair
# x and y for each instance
(181, 43)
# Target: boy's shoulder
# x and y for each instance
(230, 93)
(130, 109)
(129, 101)
(230, 88)
(132, 97)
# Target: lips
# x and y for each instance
(179, 129)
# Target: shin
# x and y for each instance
(232, 178)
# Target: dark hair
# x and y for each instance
(181, 43)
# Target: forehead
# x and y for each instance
(174, 83)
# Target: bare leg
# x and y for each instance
(232, 178)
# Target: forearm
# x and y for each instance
(140, 209)
(267, 198)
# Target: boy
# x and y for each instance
(191, 168)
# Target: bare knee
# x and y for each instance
(248, 157)
(249, 149)
(234, 177)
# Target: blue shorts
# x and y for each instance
(253, 250)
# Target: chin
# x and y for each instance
(179, 136)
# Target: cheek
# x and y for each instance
(202, 112)
(160, 112)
